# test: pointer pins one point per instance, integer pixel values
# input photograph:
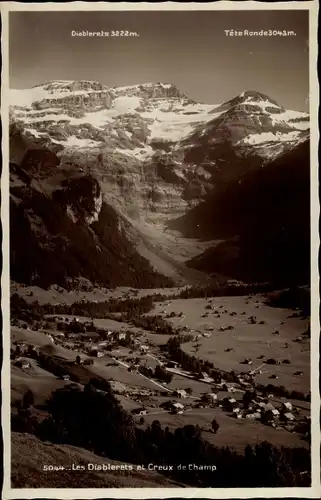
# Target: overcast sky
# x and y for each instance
(189, 49)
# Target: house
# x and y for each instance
(139, 411)
(208, 398)
(172, 407)
(103, 343)
(234, 283)
(180, 393)
(22, 363)
(121, 336)
(247, 361)
(97, 353)
(287, 406)
(289, 417)
(178, 406)
(270, 414)
(66, 377)
(254, 416)
(271, 410)
(171, 364)
(144, 348)
(229, 403)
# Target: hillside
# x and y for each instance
(61, 228)
(262, 222)
(29, 455)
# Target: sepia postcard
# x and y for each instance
(159, 213)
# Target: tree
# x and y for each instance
(157, 433)
(78, 360)
(162, 374)
(215, 426)
(93, 419)
(28, 399)
(189, 390)
(247, 397)
(23, 421)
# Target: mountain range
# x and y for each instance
(143, 186)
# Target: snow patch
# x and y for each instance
(73, 141)
(260, 104)
(125, 104)
(173, 126)
(71, 214)
(35, 132)
(296, 119)
(97, 208)
(138, 153)
(270, 136)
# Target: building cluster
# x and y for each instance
(258, 409)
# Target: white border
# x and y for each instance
(315, 490)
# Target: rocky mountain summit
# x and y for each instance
(148, 152)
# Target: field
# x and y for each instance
(246, 340)
(234, 433)
(57, 295)
(42, 385)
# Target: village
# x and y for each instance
(151, 385)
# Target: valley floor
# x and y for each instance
(234, 333)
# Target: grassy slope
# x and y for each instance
(29, 455)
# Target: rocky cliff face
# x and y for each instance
(61, 228)
(71, 96)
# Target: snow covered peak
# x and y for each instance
(251, 100)
(255, 96)
(251, 97)
(159, 90)
(71, 85)
(49, 93)
(84, 94)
